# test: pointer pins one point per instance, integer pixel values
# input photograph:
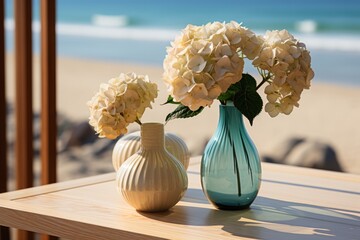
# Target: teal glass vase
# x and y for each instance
(230, 166)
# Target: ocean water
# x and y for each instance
(138, 31)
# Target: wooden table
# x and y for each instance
(293, 203)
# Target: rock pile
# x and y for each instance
(81, 153)
(305, 153)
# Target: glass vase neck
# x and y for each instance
(230, 115)
(152, 135)
(230, 166)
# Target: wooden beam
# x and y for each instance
(48, 95)
(3, 142)
(24, 113)
(48, 91)
(4, 231)
(23, 75)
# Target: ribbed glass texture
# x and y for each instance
(129, 144)
(152, 179)
(230, 166)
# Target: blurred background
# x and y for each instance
(96, 40)
(138, 31)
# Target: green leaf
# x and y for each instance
(170, 100)
(247, 81)
(182, 112)
(247, 100)
(230, 93)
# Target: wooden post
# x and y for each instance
(3, 142)
(48, 94)
(24, 113)
(4, 231)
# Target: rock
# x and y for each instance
(306, 153)
(314, 154)
(78, 162)
(80, 152)
(103, 146)
(73, 170)
(282, 150)
(63, 124)
(79, 135)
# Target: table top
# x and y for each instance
(293, 203)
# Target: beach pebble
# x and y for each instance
(81, 153)
(305, 153)
(103, 146)
(80, 134)
(282, 150)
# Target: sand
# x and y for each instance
(330, 113)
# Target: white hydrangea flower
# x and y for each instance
(273, 109)
(289, 64)
(204, 61)
(120, 102)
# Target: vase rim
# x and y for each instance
(228, 107)
(152, 135)
(152, 124)
(228, 104)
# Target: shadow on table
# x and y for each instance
(267, 219)
(310, 186)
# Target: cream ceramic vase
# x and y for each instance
(130, 144)
(152, 179)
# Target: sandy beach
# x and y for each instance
(329, 113)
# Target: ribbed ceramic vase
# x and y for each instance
(230, 166)
(152, 179)
(130, 144)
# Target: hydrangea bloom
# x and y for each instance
(120, 102)
(288, 63)
(204, 61)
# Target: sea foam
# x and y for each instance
(88, 30)
(313, 40)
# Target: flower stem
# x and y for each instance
(265, 79)
(138, 121)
